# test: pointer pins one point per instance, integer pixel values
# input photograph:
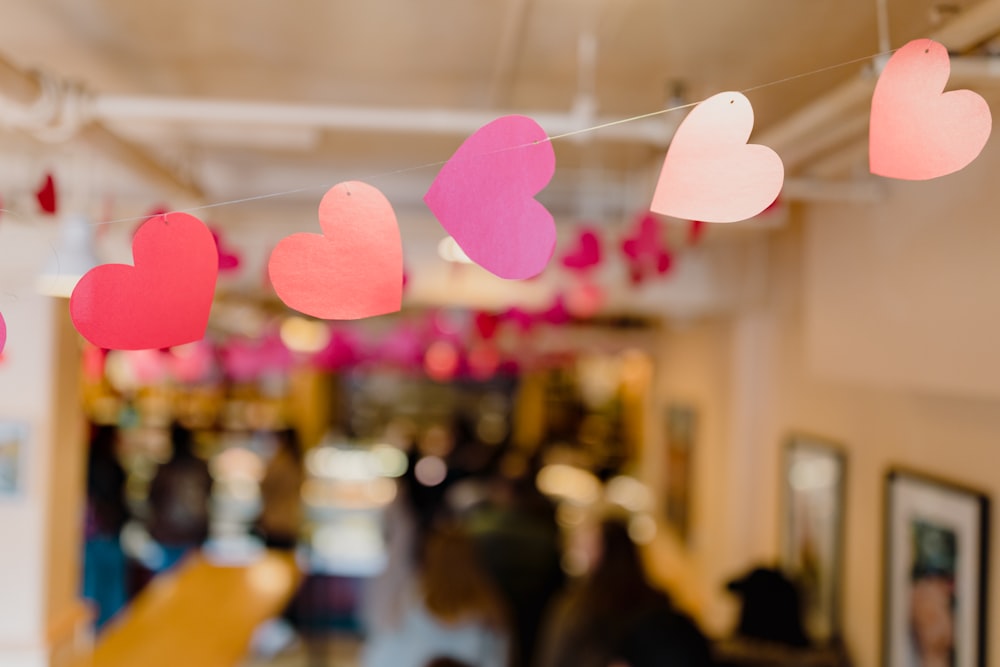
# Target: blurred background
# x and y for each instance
(735, 396)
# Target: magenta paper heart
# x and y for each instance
(484, 196)
(586, 254)
(645, 252)
(710, 173)
(917, 132)
(486, 324)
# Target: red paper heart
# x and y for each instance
(484, 196)
(354, 269)
(916, 131)
(46, 195)
(162, 301)
(586, 254)
(710, 172)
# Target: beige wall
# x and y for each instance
(880, 331)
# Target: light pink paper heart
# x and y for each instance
(917, 133)
(484, 196)
(710, 173)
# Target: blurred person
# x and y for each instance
(452, 611)
(932, 621)
(179, 500)
(446, 662)
(616, 617)
(104, 562)
(771, 608)
(518, 540)
(281, 514)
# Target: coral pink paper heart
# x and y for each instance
(916, 132)
(162, 301)
(710, 173)
(586, 254)
(484, 196)
(354, 269)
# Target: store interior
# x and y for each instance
(811, 389)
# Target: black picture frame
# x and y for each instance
(936, 569)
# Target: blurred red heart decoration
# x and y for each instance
(163, 300)
(46, 195)
(586, 254)
(645, 252)
(229, 259)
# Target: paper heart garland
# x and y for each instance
(587, 252)
(710, 173)
(354, 269)
(484, 196)
(917, 132)
(162, 301)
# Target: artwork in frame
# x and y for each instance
(13, 438)
(812, 530)
(935, 572)
(680, 450)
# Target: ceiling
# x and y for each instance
(200, 103)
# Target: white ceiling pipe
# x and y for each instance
(654, 131)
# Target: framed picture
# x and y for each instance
(680, 451)
(812, 530)
(935, 572)
(13, 437)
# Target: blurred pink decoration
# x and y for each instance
(645, 251)
(522, 319)
(229, 258)
(584, 300)
(586, 254)
(402, 347)
(193, 362)
(343, 351)
(695, 231)
(483, 360)
(556, 314)
(93, 362)
(149, 366)
(245, 360)
(442, 360)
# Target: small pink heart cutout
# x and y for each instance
(354, 269)
(917, 132)
(710, 173)
(484, 196)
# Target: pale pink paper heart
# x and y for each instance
(484, 196)
(917, 133)
(354, 269)
(710, 173)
